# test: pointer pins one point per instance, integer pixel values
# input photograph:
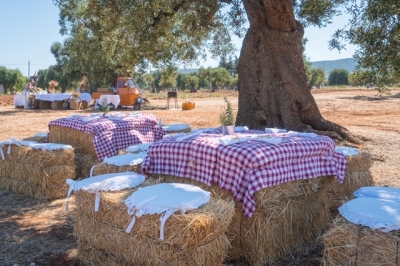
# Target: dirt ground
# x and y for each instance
(41, 232)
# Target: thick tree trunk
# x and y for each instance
(273, 88)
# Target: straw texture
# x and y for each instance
(357, 175)
(194, 238)
(104, 168)
(350, 244)
(81, 141)
(84, 163)
(40, 174)
(287, 217)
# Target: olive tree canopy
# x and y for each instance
(107, 37)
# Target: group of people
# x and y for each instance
(28, 89)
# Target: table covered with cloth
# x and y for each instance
(51, 97)
(248, 164)
(116, 132)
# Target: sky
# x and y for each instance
(28, 28)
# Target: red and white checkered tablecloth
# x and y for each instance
(115, 133)
(245, 168)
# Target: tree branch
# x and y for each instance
(162, 15)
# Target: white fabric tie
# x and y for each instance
(1, 152)
(71, 184)
(137, 212)
(105, 185)
(183, 208)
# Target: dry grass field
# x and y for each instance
(41, 231)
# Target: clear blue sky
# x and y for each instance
(28, 28)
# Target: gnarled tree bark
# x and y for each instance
(273, 87)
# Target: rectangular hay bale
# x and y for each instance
(350, 244)
(37, 173)
(57, 105)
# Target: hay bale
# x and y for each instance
(43, 104)
(36, 172)
(40, 138)
(85, 105)
(57, 105)
(212, 253)
(187, 230)
(350, 244)
(41, 191)
(357, 175)
(277, 226)
(84, 164)
(120, 163)
(81, 141)
(194, 238)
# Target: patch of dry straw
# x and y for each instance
(81, 141)
(350, 244)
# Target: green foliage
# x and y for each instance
(339, 76)
(12, 79)
(317, 77)
(107, 38)
(226, 117)
(375, 30)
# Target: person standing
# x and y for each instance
(28, 88)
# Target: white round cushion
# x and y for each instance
(139, 147)
(165, 198)
(106, 182)
(372, 212)
(388, 193)
(347, 151)
(175, 127)
(126, 159)
(50, 146)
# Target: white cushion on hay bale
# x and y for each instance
(373, 212)
(177, 128)
(124, 159)
(347, 151)
(387, 193)
(139, 147)
(166, 198)
(33, 145)
(106, 182)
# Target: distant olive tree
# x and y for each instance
(338, 76)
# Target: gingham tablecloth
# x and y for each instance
(245, 168)
(114, 132)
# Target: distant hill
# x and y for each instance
(348, 63)
(328, 65)
(187, 70)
